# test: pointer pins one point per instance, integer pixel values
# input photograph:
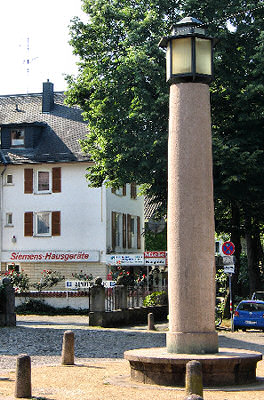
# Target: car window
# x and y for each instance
(251, 307)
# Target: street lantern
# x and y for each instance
(189, 52)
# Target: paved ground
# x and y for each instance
(99, 351)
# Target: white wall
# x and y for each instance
(124, 204)
(83, 218)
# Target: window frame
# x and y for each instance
(8, 214)
(13, 132)
(6, 180)
(37, 172)
(36, 233)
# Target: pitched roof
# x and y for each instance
(61, 129)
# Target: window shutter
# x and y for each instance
(28, 180)
(124, 231)
(133, 190)
(129, 231)
(124, 190)
(113, 230)
(138, 234)
(56, 180)
(28, 224)
(56, 223)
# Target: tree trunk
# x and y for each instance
(253, 254)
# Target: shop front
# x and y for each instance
(67, 263)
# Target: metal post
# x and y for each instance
(231, 303)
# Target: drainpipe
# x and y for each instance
(1, 204)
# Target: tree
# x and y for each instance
(121, 88)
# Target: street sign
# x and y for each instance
(229, 269)
(228, 248)
(228, 260)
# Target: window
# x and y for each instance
(43, 223)
(46, 223)
(133, 232)
(17, 138)
(12, 267)
(118, 230)
(9, 179)
(121, 191)
(9, 219)
(43, 181)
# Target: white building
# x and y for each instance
(50, 218)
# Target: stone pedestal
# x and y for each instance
(120, 293)
(191, 264)
(7, 304)
(227, 367)
(97, 298)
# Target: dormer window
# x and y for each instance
(17, 138)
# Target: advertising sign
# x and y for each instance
(125, 259)
(50, 256)
(86, 284)
(155, 257)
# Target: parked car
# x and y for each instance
(258, 295)
(249, 314)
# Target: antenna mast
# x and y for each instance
(28, 62)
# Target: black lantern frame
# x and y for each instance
(189, 43)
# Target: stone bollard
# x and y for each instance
(23, 377)
(68, 348)
(193, 379)
(193, 397)
(151, 326)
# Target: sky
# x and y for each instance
(38, 31)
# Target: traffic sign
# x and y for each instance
(229, 269)
(228, 260)
(228, 248)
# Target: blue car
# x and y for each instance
(249, 315)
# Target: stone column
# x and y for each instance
(120, 293)
(191, 269)
(97, 298)
(7, 304)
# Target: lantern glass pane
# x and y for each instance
(203, 53)
(181, 56)
(168, 62)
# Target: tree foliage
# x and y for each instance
(121, 88)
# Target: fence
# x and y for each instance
(115, 298)
(134, 297)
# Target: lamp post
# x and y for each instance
(191, 269)
(191, 259)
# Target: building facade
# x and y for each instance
(50, 218)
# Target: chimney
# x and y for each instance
(47, 97)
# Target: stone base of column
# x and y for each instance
(192, 343)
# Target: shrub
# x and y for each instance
(156, 299)
(48, 279)
(40, 308)
(19, 280)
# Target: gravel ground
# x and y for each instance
(41, 338)
(100, 371)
